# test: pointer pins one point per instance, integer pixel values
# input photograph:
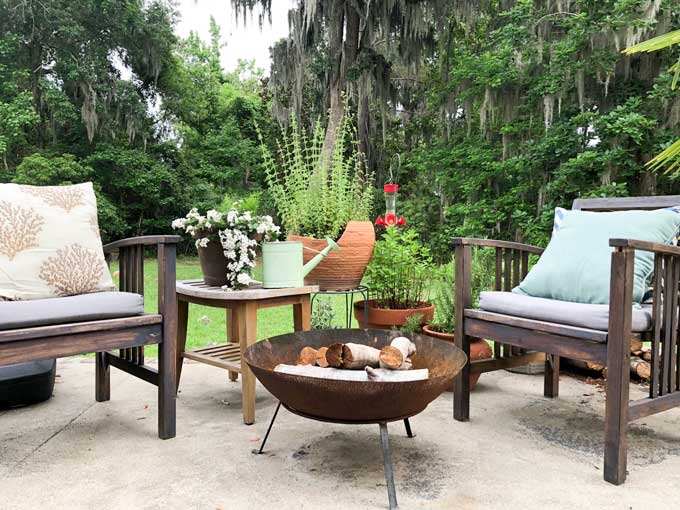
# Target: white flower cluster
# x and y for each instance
(238, 233)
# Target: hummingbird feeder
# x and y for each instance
(390, 190)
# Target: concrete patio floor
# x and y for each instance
(518, 451)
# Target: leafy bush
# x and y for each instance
(323, 315)
(414, 324)
(314, 196)
(483, 274)
(41, 170)
(248, 201)
(400, 272)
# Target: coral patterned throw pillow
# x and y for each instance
(49, 242)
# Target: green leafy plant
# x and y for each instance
(245, 201)
(400, 271)
(316, 196)
(670, 157)
(323, 315)
(444, 300)
(413, 324)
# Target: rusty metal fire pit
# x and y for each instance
(354, 402)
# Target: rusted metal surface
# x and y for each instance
(354, 401)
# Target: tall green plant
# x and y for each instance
(313, 196)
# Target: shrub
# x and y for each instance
(400, 272)
(323, 315)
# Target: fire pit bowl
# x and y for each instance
(353, 401)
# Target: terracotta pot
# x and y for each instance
(479, 349)
(385, 318)
(343, 269)
(213, 264)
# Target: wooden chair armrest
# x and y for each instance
(636, 244)
(492, 243)
(141, 241)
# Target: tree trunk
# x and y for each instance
(336, 25)
(350, 55)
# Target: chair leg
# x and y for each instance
(616, 423)
(618, 370)
(102, 391)
(551, 383)
(461, 386)
(167, 389)
(167, 349)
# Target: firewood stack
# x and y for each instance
(640, 358)
(357, 362)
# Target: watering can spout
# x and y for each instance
(332, 245)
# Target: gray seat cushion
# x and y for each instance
(82, 308)
(561, 312)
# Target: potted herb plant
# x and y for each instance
(319, 196)
(398, 278)
(227, 243)
(443, 324)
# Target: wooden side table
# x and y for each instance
(241, 310)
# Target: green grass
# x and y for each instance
(207, 326)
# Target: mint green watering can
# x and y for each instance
(283, 263)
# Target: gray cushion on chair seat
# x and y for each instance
(561, 312)
(82, 308)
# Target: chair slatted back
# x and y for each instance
(665, 364)
(625, 203)
(131, 279)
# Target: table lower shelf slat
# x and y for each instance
(227, 356)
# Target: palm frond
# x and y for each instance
(655, 44)
(669, 159)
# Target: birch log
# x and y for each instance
(358, 356)
(321, 357)
(395, 356)
(387, 375)
(307, 356)
(640, 368)
(370, 374)
(334, 355)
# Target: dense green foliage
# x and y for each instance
(501, 109)
(534, 110)
(103, 91)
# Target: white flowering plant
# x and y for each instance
(239, 233)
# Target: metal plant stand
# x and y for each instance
(384, 442)
(349, 301)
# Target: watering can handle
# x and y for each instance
(310, 249)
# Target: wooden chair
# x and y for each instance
(129, 334)
(514, 336)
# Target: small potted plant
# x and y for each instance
(319, 195)
(399, 278)
(443, 325)
(227, 243)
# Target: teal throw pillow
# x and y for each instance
(576, 264)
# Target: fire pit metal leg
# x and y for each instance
(407, 424)
(269, 429)
(387, 458)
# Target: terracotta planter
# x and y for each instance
(385, 318)
(213, 264)
(342, 269)
(479, 349)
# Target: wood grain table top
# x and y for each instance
(198, 289)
